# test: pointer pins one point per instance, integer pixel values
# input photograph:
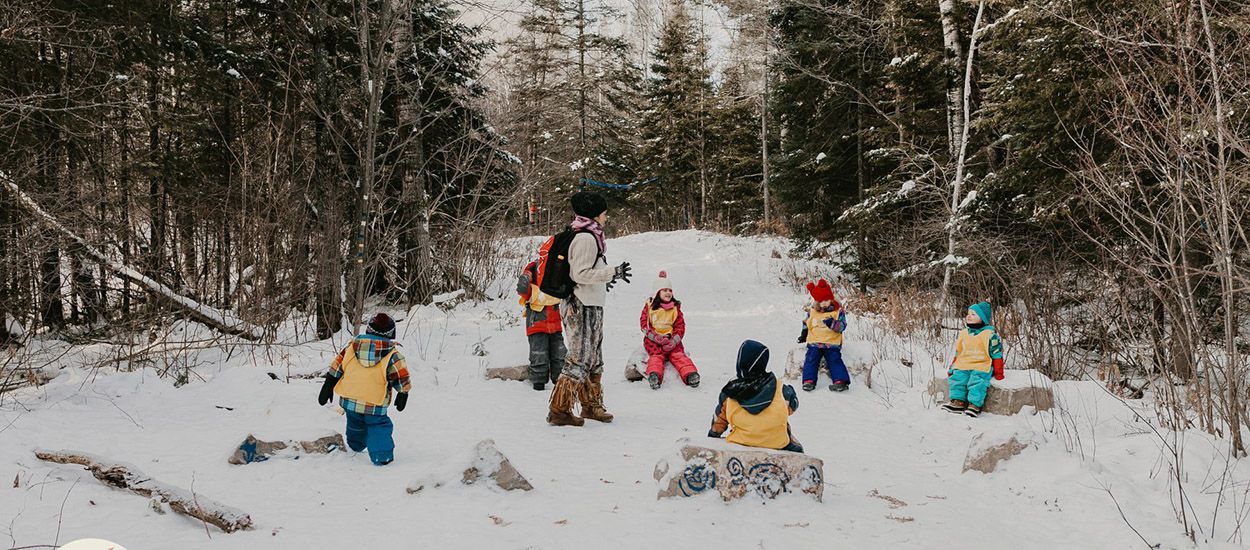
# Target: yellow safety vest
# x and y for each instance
(662, 319)
(972, 351)
(766, 429)
(367, 385)
(817, 332)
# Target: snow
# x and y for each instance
(234, 73)
(447, 296)
(13, 326)
(820, 157)
(892, 460)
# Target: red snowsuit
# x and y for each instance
(658, 334)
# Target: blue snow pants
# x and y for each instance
(833, 359)
(970, 386)
(373, 432)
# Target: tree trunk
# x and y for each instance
(326, 261)
(416, 246)
(965, 107)
(952, 62)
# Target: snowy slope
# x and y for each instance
(892, 460)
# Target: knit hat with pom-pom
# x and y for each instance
(661, 283)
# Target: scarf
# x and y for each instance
(658, 304)
(752, 369)
(583, 223)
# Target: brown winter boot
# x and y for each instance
(591, 394)
(561, 405)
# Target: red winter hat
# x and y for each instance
(820, 291)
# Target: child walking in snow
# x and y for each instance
(663, 327)
(542, 328)
(822, 332)
(363, 375)
(756, 404)
(978, 356)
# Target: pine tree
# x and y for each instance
(674, 125)
(735, 164)
(573, 100)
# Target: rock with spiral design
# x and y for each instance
(735, 472)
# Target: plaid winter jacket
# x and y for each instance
(369, 350)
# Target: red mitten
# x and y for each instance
(998, 369)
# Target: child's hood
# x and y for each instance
(371, 349)
(760, 401)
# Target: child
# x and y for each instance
(542, 328)
(363, 375)
(822, 332)
(978, 355)
(756, 404)
(662, 328)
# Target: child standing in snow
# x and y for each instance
(363, 374)
(978, 356)
(822, 332)
(663, 327)
(756, 404)
(542, 328)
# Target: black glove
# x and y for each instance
(401, 400)
(327, 390)
(622, 272)
(610, 283)
(523, 284)
(829, 322)
(712, 433)
(803, 336)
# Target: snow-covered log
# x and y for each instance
(124, 476)
(218, 319)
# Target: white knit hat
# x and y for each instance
(660, 283)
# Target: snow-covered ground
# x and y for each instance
(892, 459)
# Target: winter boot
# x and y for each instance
(956, 406)
(972, 410)
(591, 394)
(809, 385)
(838, 385)
(654, 380)
(693, 380)
(561, 405)
(540, 386)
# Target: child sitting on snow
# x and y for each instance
(822, 332)
(542, 328)
(363, 375)
(978, 356)
(663, 327)
(756, 404)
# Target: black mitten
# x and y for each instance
(327, 390)
(401, 400)
(803, 335)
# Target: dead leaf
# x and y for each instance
(803, 524)
(892, 502)
(901, 519)
(936, 497)
(604, 480)
(562, 522)
(17, 480)
(499, 521)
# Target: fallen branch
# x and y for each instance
(218, 319)
(127, 477)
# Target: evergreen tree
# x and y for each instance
(675, 124)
